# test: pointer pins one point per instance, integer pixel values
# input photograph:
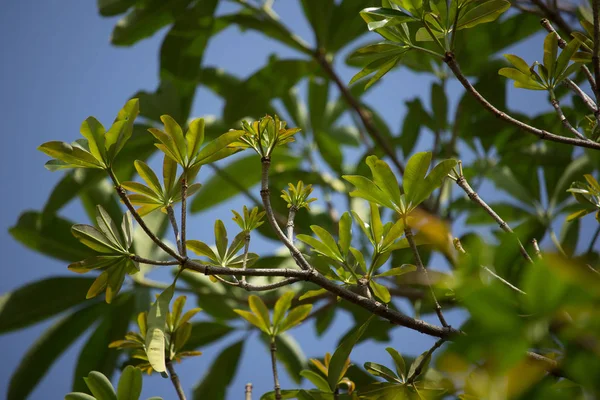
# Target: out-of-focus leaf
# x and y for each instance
(47, 348)
(95, 354)
(142, 22)
(206, 332)
(338, 360)
(100, 386)
(130, 384)
(40, 300)
(54, 238)
(214, 384)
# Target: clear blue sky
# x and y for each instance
(58, 68)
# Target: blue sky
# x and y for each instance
(58, 69)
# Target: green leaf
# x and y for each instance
(317, 380)
(565, 56)
(485, 11)
(382, 371)
(194, 137)
(211, 151)
(380, 67)
(282, 305)
(414, 174)
(295, 317)
(148, 175)
(93, 131)
(518, 63)
(550, 52)
(47, 349)
(130, 384)
(434, 180)
(94, 239)
(367, 190)
(254, 320)
(342, 353)
(259, 309)
(345, 233)
(397, 271)
(155, 334)
(381, 292)
(79, 396)
(522, 80)
(100, 386)
(327, 240)
(108, 227)
(384, 178)
(201, 248)
(30, 304)
(398, 360)
(74, 156)
(426, 356)
(122, 129)
(214, 384)
(206, 332)
(221, 238)
(176, 133)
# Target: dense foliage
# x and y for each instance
(360, 213)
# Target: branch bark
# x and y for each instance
(450, 60)
(175, 380)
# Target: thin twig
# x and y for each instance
(590, 104)
(173, 220)
(459, 247)
(464, 185)
(553, 15)
(596, 55)
(413, 246)
(536, 248)
(274, 366)
(175, 380)
(363, 114)
(184, 187)
(123, 195)
(248, 391)
(424, 361)
(154, 262)
(290, 223)
(245, 256)
(564, 120)
(542, 134)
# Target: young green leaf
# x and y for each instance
(155, 334)
(339, 358)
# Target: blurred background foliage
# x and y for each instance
(526, 181)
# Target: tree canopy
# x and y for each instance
(386, 224)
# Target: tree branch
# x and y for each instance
(464, 185)
(173, 221)
(596, 55)
(184, 187)
(123, 195)
(274, 369)
(564, 120)
(542, 134)
(413, 246)
(175, 380)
